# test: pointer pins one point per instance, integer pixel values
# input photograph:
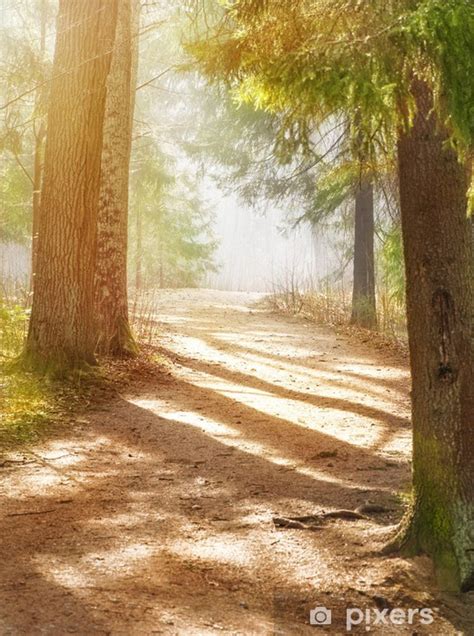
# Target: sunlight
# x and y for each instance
(192, 418)
(342, 382)
(224, 549)
(233, 437)
(41, 481)
(171, 319)
(93, 565)
(198, 348)
(64, 574)
(62, 453)
(331, 386)
(236, 352)
(307, 372)
(124, 558)
(330, 419)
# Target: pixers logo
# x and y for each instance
(320, 616)
(385, 617)
(369, 618)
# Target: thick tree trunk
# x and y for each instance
(437, 244)
(363, 296)
(62, 331)
(472, 268)
(115, 336)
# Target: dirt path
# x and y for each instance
(153, 514)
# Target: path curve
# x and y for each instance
(153, 514)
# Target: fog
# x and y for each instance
(253, 251)
(261, 253)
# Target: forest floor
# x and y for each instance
(152, 512)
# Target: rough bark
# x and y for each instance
(363, 296)
(472, 270)
(437, 245)
(115, 336)
(62, 330)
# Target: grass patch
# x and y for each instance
(13, 325)
(27, 402)
(332, 307)
(27, 408)
(33, 406)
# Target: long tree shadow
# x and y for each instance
(307, 364)
(251, 446)
(148, 494)
(326, 402)
(63, 552)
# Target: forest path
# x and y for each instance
(153, 513)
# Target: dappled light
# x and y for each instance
(172, 489)
(236, 317)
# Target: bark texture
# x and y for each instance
(115, 337)
(363, 296)
(62, 330)
(437, 244)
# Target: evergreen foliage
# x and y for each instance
(177, 242)
(311, 59)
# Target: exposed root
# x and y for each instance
(313, 522)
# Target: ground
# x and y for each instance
(152, 513)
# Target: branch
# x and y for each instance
(153, 79)
(23, 168)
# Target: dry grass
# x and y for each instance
(329, 306)
(143, 317)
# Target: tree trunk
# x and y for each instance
(39, 149)
(62, 331)
(162, 270)
(472, 278)
(37, 177)
(115, 336)
(363, 295)
(138, 255)
(437, 245)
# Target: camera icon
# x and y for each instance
(320, 616)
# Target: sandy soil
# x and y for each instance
(152, 514)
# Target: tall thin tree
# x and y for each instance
(115, 337)
(363, 294)
(39, 134)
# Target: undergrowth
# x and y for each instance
(328, 306)
(26, 401)
(32, 406)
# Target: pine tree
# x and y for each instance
(437, 243)
(62, 331)
(315, 58)
(363, 295)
